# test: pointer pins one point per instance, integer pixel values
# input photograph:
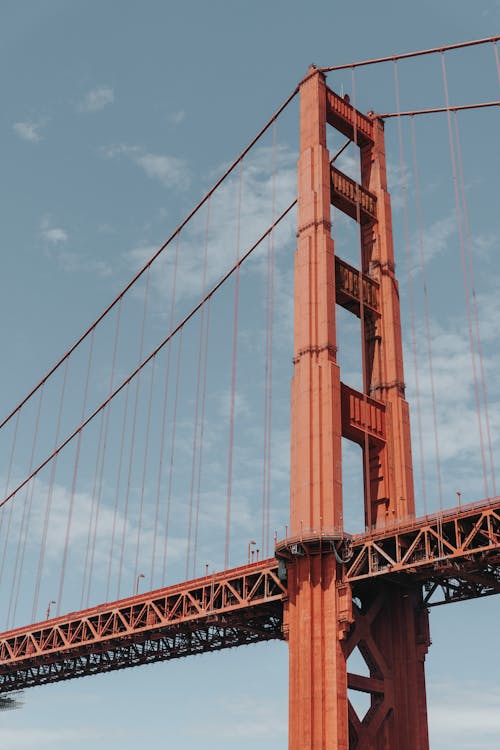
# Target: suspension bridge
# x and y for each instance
(155, 442)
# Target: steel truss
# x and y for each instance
(234, 608)
(432, 547)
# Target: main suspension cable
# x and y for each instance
(155, 255)
(155, 351)
(407, 55)
(437, 110)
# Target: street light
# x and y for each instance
(141, 575)
(47, 614)
(249, 545)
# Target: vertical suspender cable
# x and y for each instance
(202, 435)
(172, 454)
(474, 303)
(103, 458)
(464, 273)
(28, 499)
(270, 370)
(132, 437)
(233, 377)
(410, 293)
(497, 60)
(50, 496)
(75, 472)
(7, 483)
(93, 509)
(203, 354)
(427, 316)
(9, 519)
(11, 463)
(117, 491)
(266, 399)
(197, 400)
(164, 413)
(144, 470)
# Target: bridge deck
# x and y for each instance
(233, 608)
(454, 555)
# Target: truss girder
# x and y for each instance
(421, 546)
(456, 583)
(184, 642)
(453, 556)
(228, 609)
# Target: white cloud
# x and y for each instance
(464, 716)
(55, 238)
(171, 171)
(348, 164)
(28, 131)
(241, 405)
(483, 245)
(175, 118)
(98, 556)
(249, 719)
(55, 235)
(52, 234)
(36, 737)
(435, 240)
(455, 399)
(96, 99)
(168, 169)
(222, 238)
(74, 263)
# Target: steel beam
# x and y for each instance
(239, 606)
(251, 603)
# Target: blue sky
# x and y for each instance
(116, 118)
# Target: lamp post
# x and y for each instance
(141, 575)
(47, 614)
(249, 545)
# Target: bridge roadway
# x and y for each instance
(450, 556)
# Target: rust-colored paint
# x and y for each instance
(318, 708)
(455, 553)
(322, 624)
(344, 592)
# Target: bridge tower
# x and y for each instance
(326, 619)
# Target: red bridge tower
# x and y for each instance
(323, 621)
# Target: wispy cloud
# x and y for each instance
(28, 130)
(435, 239)
(74, 263)
(484, 244)
(171, 171)
(55, 239)
(89, 513)
(221, 236)
(96, 99)
(175, 118)
(464, 716)
(168, 169)
(455, 384)
(491, 11)
(36, 737)
(250, 719)
(53, 235)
